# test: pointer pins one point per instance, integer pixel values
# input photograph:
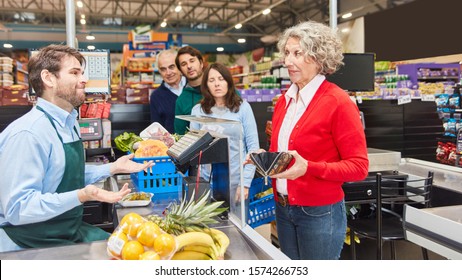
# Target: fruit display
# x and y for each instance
(183, 233)
(189, 215)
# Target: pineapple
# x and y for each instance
(188, 215)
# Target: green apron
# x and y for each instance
(67, 228)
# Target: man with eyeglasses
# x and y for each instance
(163, 99)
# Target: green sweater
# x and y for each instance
(183, 106)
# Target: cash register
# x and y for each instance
(91, 132)
(200, 147)
(100, 214)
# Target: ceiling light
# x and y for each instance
(82, 16)
(90, 47)
(241, 40)
(345, 30)
(266, 11)
(7, 46)
(79, 4)
(83, 21)
(90, 37)
(220, 49)
(163, 24)
(178, 8)
(347, 15)
(238, 26)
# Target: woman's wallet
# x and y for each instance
(270, 163)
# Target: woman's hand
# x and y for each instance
(93, 193)
(238, 194)
(125, 164)
(297, 170)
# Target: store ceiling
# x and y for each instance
(204, 24)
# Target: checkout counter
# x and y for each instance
(246, 243)
(437, 228)
(443, 220)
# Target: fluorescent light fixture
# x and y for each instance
(83, 21)
(7, 46)
(178, 8)
(347, 15)
(91, 47)
(90, 37)
(241, 40)
(80, 4)
(238, 26)
(163, 24)
(266, 11)
(220, 49)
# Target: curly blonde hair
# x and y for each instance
(318, 41)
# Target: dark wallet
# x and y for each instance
(269, 163)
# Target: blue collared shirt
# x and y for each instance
(32, 167)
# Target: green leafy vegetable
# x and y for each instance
(125, 141)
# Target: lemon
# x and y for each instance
(147, 233)
(149, 255)
(132, 250)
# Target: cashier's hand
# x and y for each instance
(247, 157)
(238, 194)
(297, 170)
(93, 193)
(125, 164)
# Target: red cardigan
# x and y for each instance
(330, 136)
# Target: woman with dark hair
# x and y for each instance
(220, 100)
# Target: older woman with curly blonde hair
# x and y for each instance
(318, 124)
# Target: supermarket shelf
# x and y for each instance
(141, 70)
(438, 78)
(251, 73)
(22, 71)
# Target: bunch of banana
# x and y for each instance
(221, 241)
(195, 245)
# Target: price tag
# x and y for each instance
(353, 210)
(428, 97)
(404, 99)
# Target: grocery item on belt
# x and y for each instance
(151, 148)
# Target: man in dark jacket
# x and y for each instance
(163, 99)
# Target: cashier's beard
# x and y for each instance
(73, 95)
